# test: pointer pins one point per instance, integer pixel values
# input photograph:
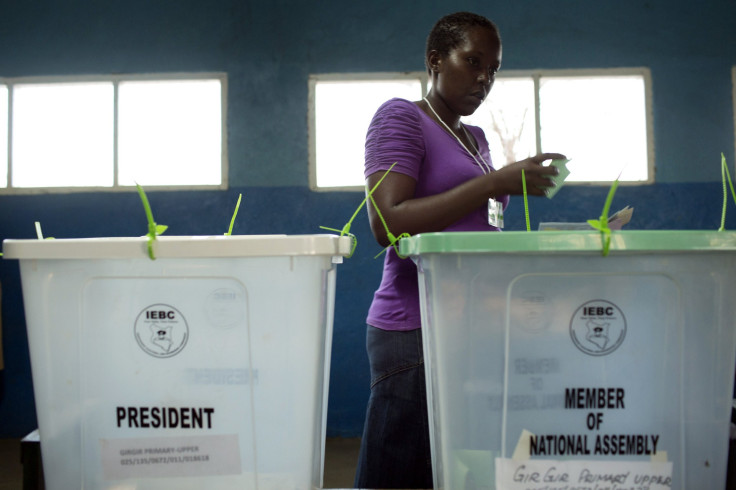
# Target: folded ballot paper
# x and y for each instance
(562, 173)
(615, 222)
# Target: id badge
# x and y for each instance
(495, 213)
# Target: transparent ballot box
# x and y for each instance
(207, 367)
(550, 365)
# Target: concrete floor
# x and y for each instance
(11, 471)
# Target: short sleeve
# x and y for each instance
(395, 136)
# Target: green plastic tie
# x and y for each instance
(392, 239)
(346, 229)
(601, 224)
(232, 221)
(725, 177)
(343, 232)
(39, 233)
(153, 229)
(526, 200)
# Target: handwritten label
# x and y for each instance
(542, 474)
(170, 456)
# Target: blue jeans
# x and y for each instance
(395, 451)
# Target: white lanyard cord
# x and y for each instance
(487, 168)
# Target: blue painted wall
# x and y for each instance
(269, 49)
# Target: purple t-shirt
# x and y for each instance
(401, 132)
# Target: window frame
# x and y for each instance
(116, 79)
(645, 73)
(536, 75)
(314, 79)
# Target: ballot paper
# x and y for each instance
(620, 218)
(615, 222)
(559, 179)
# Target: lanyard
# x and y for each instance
(485, 167)
(495, 208)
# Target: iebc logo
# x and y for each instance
(598, 327)
(161, 330)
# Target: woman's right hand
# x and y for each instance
(403, 212)
(507, 180)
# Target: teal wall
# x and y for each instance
(268, 50)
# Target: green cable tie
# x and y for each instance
(232, 221)
(346, 229)
(725, 176)
(393, 240)
(39, 233)
(526, 201)
(730, 183)
(601, 224)
(343, 233)
(153, 229)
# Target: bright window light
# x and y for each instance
(3, 135)
(342, 113)
(170, 132)
(100, 132)
(507, 118)
(62, 135)
(578, 115)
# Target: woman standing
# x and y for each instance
(443, 180)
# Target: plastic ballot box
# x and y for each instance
(207, 367)
(552, 366)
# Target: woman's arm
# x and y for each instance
(406, 214)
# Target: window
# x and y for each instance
(113, 132)
(62, 135)
(578, 113)
(341, 108)
(575, 112)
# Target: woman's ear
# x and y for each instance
(434, 61)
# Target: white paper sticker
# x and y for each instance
(541, 474)
(158, 457)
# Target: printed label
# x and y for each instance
(595, 403)
(164, 417)
(170, 457)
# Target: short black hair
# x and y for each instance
(449, 32)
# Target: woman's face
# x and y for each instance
(464, 77)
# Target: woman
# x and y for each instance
(443, 180)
